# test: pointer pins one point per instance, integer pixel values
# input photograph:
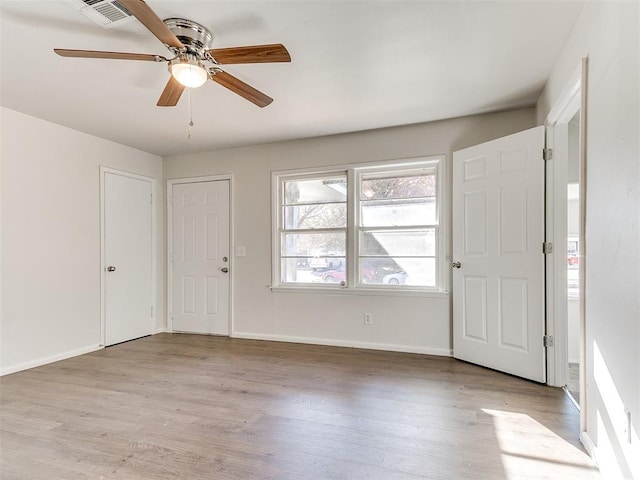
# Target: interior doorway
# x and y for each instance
(566, 220)
(573, 259)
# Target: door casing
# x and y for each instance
(570, 101)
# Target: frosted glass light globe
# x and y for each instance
(190, 75)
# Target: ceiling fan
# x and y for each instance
(192, 46)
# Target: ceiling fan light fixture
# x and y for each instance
(189, 72)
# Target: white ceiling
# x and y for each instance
(356, 65)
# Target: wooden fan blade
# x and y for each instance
(171, 93)
(244, 90)
(147, 17)
(275, 52)
(111, 55)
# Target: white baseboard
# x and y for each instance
(253, 336)
(160, 330)
(443, 352)
(45, 360)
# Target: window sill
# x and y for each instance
(399, 292)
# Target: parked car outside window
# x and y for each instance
(386, 275)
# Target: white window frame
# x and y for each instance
(358, 228)
(279, 204)
(353, 174)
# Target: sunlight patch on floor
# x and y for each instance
(547, 454)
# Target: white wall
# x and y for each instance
(50, 241)
(607, 32)
(407, 323)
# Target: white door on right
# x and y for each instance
(498, 259)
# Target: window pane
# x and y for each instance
(390, 213)
(329, 244)
(317, 190)
(332, 275)
(417, 272)
(374, 187)
(326, 263)
(406, 243)
(327, 215)
(299, 270)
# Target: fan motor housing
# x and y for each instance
(196, 38)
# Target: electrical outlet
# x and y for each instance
(368, 319)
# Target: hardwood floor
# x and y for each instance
(199, 407)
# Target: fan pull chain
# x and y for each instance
(190, 114)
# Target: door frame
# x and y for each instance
(169, 205)
(103, 237)
(570, 101)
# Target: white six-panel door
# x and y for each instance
(498, 262)
(128, 257)
(200, 257)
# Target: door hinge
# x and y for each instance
(547, 248)
(547, 153)
(152, 310)
(547, 341)
(171, 199)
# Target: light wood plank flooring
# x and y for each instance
(198, 407)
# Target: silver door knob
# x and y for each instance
(224, 269)
(456, 264)
(111, 268)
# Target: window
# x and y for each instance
(363, 227)
(313, 233)
(397, 227)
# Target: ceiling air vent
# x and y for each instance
(107, 13)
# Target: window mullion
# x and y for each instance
(398, 228)
(352, 223)
(313, 230)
